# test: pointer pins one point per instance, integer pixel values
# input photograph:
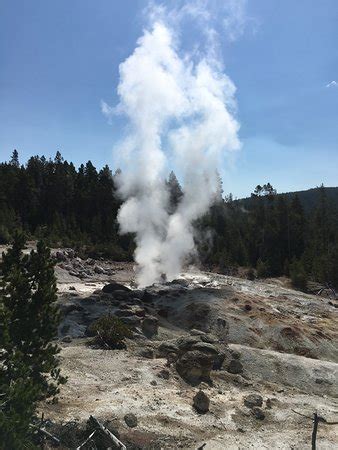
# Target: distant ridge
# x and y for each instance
(308, 198)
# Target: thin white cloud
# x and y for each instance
(107, 110)
(332, 83)
(236, 18)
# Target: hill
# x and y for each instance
(308, 198)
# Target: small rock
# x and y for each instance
(153, 382)
(201, 402)
(164, 373)
(60, 256)
(235, 366)
(72, 288)
(258, 413)
(253, 400)
(247, 307)
(67, 339)
(73, 273)
(322, 381)
(131, 420)
(98, 269)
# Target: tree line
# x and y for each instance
(269, 233)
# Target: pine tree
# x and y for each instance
(15, 159)
(28, 361)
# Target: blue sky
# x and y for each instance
(60, 58)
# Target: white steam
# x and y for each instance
(178, 109)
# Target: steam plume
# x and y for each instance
(179, 110)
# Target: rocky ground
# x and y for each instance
(215, 362)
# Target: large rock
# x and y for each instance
(201, 402)
(258, 413)
(217, 355)
(195, 366)
(150, 326)
(121, 295)
(112, 287)
(131, 420)
(205, 347)
(185, 343)
(235, 366)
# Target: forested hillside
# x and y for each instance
(274, 234)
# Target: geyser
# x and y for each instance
(179, 110)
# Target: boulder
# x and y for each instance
(120, 294)
(112, 287)
(201, 402)
(252, 400)
(205, 347)
(150, 326)
(235, 366)
(195, 366)
(185, 343)
(217, 355)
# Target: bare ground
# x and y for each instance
(287, 341)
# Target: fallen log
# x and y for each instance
(116, 443)
(86, 441)
(47, 434)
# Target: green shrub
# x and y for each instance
(262, 269)
(298, 275)
(109, 332)
(250, 275)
